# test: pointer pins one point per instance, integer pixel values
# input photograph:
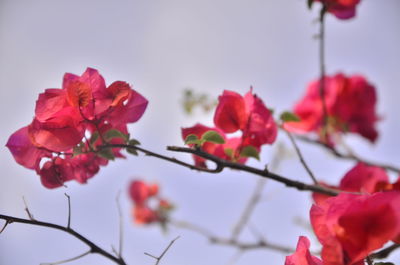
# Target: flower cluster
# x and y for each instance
(342, 9)
(350, 226)
(302, 256)
(72, 124)
(350, 106)
(236, 113)
(141, 194)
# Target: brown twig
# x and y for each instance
(93, 247)
(256, 195)
(69, 210)
(322, 72)
(67, 260)
(221, 164)
(349, 156)
(301, 157)
(158, 259)
(384, 253)
(27, 209)
(261, 244)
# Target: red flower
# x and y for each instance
(208, 147)
(84, 106)
(144, 212)
(350, 226)
(247, 114)
(350, 103)
(24, 152)
(234, 113)
(56, 172)
(140, 192)
(230, 115)
(302, 256)
(342, 9)
(260, 128)
(361, 178)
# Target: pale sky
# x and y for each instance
(162, 47)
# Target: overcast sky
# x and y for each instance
(161, 48)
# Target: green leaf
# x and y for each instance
(193, 139)
(310, 3)
(94, 138)
(133, 142)
(250, 151)
(106, 153)
(213, 136)
(77, 150)
(289, 116)
(228, 152)
(113, 133)
(132, 151)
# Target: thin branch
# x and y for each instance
(256, 195)
(93, 247)
(301, 157)
(158, 259)
(384, 253)
(369, 260)
(69, 210)
(27, 209)
(221, 164)
(348, 156)
(68, 260)
(231, 242)
(322, 72)
(248, 210)
(153, 154)
(121, 224)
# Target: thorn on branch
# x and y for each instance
(158, 259)
(27, 210)
(4, 226)
(68, 260)
(69, 210)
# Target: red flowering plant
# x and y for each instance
(144, 212)
(350, 105)
(80, 127)
(65, 139)
(351, 226)
(342, 9)
(234, 113)
(302, 256)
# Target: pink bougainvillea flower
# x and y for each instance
(142, 214)
(350, 103)
(361, 178)
(351, 226)
(235, 113)
(260, 128)
(230, 115)
(140, 192)
(71, 123)
(342, 9)
(302, 256)
(364, 178)
(56, 172)
(23, 151)
(145, 212)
